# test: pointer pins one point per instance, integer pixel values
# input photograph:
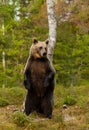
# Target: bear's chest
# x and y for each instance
(38, 69)
(38, 74)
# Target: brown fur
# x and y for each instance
(38, 74)
(39, 80)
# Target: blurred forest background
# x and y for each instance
(21, 20)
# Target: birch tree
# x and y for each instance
(4, 69)
(52, 27)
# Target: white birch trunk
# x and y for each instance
(3, 29)
(4, 68)
(52, 27)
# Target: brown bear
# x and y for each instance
(39, 80)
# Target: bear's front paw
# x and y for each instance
(49, 116)
(46, 83)
(26, 84)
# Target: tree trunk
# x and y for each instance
(52, 27)
(4, 69)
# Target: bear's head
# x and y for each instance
(39, 49)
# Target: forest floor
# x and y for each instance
(74, 115)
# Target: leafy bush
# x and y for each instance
(37, 4)
(69, 100)
(71, 55)
(19, 118)
(13, 95)
(3, 102)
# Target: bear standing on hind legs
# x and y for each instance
(39, 80)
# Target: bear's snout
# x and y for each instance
(44, 54)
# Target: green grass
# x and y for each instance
(70, 100)
(75, 117)
(14, 96)
(3, 102)
(19, 118)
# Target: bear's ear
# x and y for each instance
(47, 41)
(35, 40)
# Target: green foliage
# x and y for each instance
(71, 52)
(36, 5)
(7, 12)
(3, 102)
(71, 55)
(70, 100)
(19, 118)
(12, 95)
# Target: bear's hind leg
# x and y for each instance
(27, 109)
(47, 106)
(31, 103)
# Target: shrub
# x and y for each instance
(19, 118)
(69, 100)
(13, 95)
(3, 102)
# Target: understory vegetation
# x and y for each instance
(70, 110)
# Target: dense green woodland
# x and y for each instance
(21, 20)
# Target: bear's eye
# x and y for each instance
(40, 48)
(45, 48)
